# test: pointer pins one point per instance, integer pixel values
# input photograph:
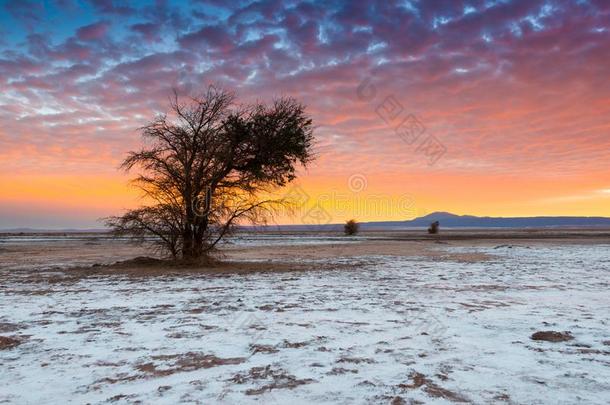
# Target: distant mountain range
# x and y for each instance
(446, 219)
(449, 220)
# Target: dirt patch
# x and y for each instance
(8, 342)
(436, 391)
(100, 363)
(138, 262)
(356, 360)
(341, 370)
(294, 345)
(552, 336)
(120, 397)
(263, 349)
(502, 397)
(185, 362)
(161, 268)
(277, 379)
(6, 327)
(398, 401)
(419, 380)
(150, 368)
(385, 247)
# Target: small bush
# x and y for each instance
(351, 227)
(433, 229)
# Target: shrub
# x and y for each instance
(351, 227)
(433, 229)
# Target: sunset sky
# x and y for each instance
(514, 95)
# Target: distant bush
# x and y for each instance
(351, 227)
(433, 229)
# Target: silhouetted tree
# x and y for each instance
(206, 167)
(433, 229)
(351, 227)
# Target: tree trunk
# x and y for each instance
(202, 224)
(187, 244)
(195, 228)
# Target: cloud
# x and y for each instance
(27, 12)
(112, 7)
(509, 87)
(92, 31)
(213, 37)
(150, 31)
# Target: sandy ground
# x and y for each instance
(383, 318)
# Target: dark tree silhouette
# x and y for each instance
(351, 227)
(208, 166)
(434, 227)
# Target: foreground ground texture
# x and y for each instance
(308, 320)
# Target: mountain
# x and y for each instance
(449, 220)
(446, 219)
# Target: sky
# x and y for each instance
(483, 107)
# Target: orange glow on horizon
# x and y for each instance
(375, 198)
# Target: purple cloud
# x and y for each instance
(460, 65)
(92, 31)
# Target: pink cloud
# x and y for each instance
(513, 103)
(92, 31)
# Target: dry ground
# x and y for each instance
(383, 318)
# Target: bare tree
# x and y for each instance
(209, 165)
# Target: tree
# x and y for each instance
(208, 166)
(351, 227)
(433, 228)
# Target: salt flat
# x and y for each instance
(451, 324)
